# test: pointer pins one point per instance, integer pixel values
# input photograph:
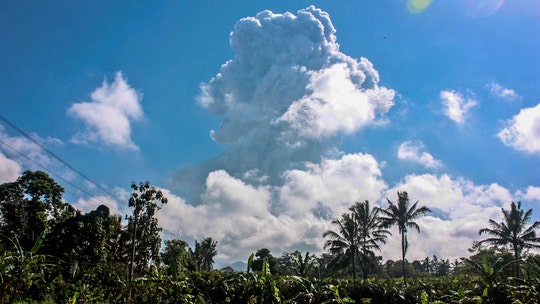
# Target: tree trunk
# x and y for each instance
(132, 259)
(516, 260)
(353, 269)
(364, 268)
(403, 245)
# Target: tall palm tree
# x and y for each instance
(371, 231)
(343, 243)
(203, 255)
(358, 235)
(403, 217)
(512, 231)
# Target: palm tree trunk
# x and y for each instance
(516, 261)
(403, 245)
(364, 268)
(353, 269)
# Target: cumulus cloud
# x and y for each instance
(287, 97)
(456, 106)
(522, 132)
(414, 152)
(109, 114)
(246, 216)
(17, 152)
(460, 209)
(238, 230)
(332, 183)
(9, 169)
(532, 193)
(503, 93)
(91, 203)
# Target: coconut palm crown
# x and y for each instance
(512, 232)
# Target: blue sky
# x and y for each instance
(264, 128)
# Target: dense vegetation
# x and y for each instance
(52, 253)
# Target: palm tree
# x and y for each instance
(203, 255)
(371, 231)
(512, 231)
(401, 215)
(343, 243)
(358, 235)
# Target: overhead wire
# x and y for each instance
(57, 175)
(58, 158)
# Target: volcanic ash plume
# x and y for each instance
(286, 98)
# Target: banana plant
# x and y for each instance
(21, 270)
(489, 274)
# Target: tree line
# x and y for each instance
(51, 251)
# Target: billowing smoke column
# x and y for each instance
(287, 97)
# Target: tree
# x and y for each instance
(512, 232)
(143, 226)
(371, 231)
(86, 241)
(403, 217)
(30, 206)
(343, 243)
(261, 254)
(295, 264)
(202, 257)
(175, 256)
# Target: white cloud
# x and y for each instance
(532, 193)
(109, 114)
(503, 93)
(456, 105)
(233, 196)
(332, 183)
(9, 169)
(246, 217)
(239, 217)
(335, 105)
(91, 203)
(460, 209)
(18, 152)
(414, 152)
(522, 132)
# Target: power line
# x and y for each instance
(57, 157)
(55, 174)
(26, 135)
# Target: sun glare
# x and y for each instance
(417, 6)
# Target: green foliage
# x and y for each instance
(30, 206)
(489, 277)
(142, 232)
(23, 273)
(403, 217)
(371, 232)
(513, 232)
(175, 257)
(202, 257)
(297, 264)
(261, 255)
(357, 238)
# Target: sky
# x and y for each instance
(262, 121)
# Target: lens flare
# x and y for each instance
(482, 8)
(417, 6)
